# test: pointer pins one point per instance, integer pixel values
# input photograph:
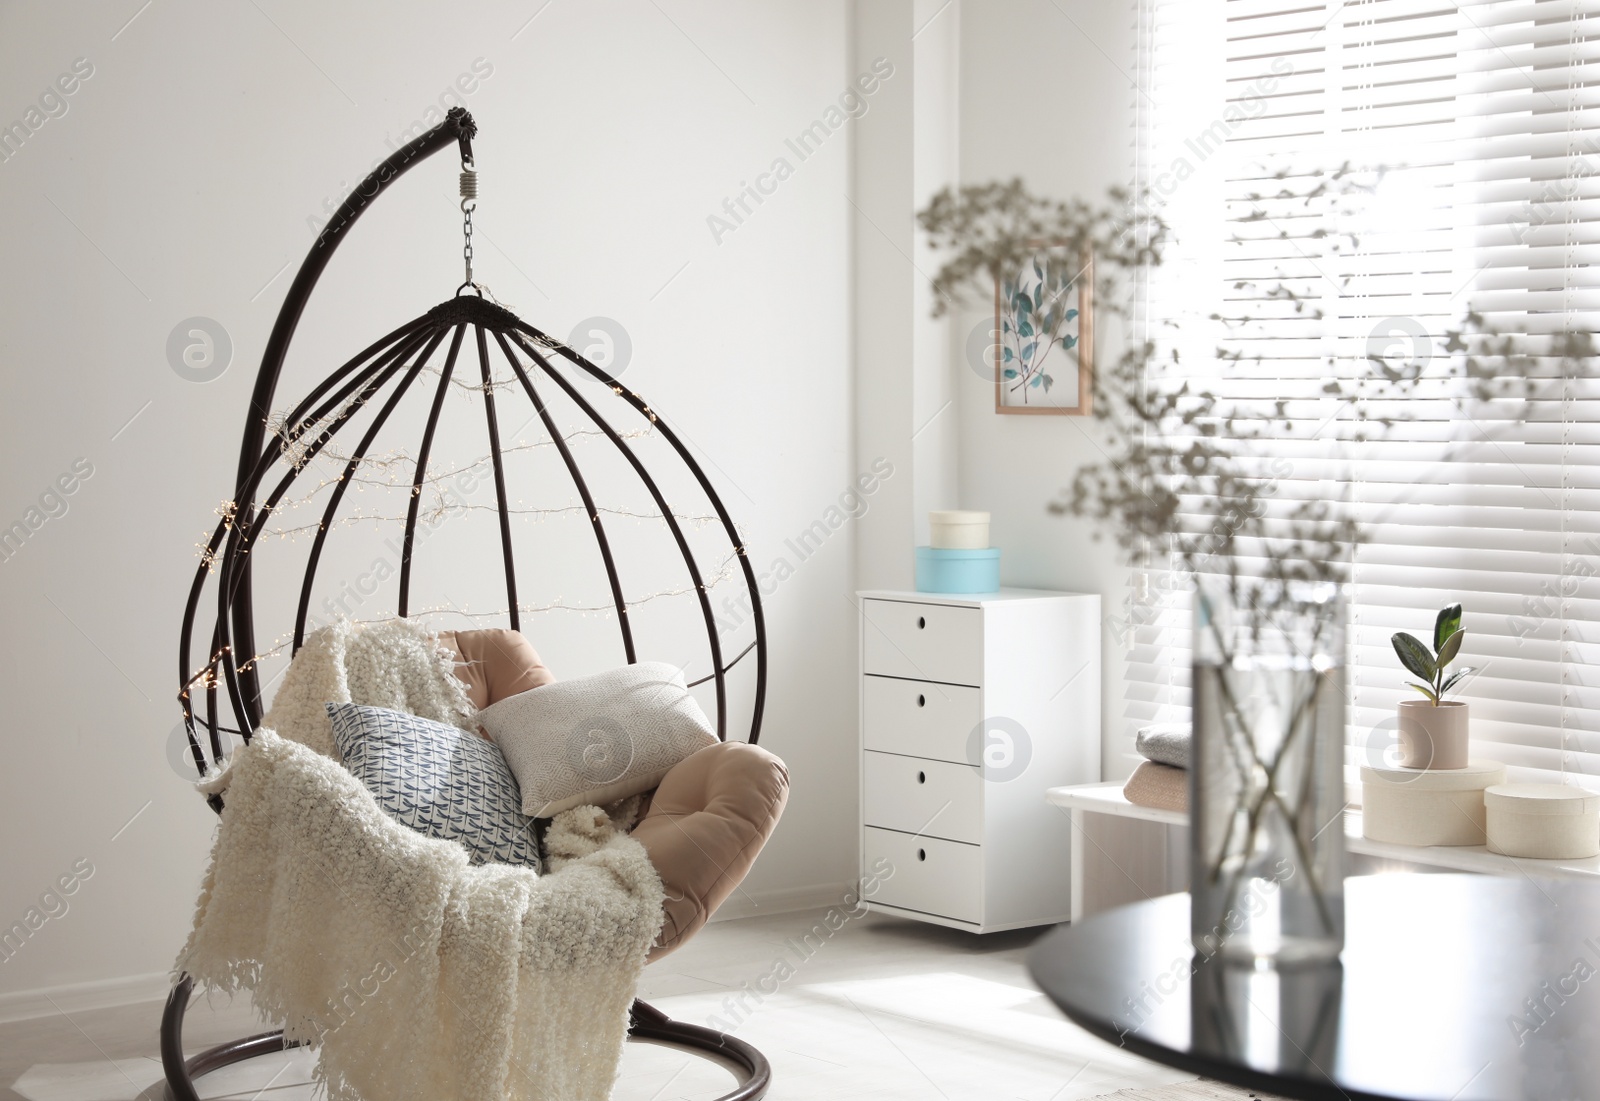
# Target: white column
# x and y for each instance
(904, 150)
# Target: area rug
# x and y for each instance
(1200, 1089)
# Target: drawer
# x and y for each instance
(919, 719)
(923, 641)
(926, 874)
(933, 798)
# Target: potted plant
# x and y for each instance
(1433, 731)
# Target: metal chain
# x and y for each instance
(469, 203)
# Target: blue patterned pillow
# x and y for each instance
(438, 780)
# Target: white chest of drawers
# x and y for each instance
(971, 707)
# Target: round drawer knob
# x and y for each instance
(922, 777)
(921, 623)
(922, 854)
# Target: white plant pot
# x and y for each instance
(1433, 735)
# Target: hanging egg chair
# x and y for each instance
(333, 439)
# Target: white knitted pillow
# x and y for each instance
(597, 739)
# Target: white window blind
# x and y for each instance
(1486, 118)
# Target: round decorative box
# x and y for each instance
(955, 529)
(1543, 821)
(1421, 806)
(943, 570)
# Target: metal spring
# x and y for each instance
(469, 183)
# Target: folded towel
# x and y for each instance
(1165, 745)
(1160, 786)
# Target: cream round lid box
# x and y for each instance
(958, 529)
(1427, 806)
(1543, 821)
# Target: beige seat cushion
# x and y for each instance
(495, 664)
(705, 823)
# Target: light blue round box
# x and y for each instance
(958, 571)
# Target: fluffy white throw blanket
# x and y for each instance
(420, 976)
(395, 663)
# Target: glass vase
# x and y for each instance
(1266, 783)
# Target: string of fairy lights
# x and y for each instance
(395, 470)
(726, 571)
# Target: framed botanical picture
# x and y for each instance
(1044, 322)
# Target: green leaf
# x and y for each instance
(1024, 328)
(1037, 379)
(1038, 271)
(1009, 355)
(1048, 382)
(1448, 652)
(1010, 372)
(1414, 656)
(1450, 682)
(1426, 691)
(1448, 623)
(1022, 303)
(1027, 352)
(1069, 342)
(1071, 314)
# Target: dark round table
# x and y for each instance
(1450, 988)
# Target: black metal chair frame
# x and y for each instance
(396, 361)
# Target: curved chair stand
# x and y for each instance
(182, 1072)
(647, 1023)
(228, 675)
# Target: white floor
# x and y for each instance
(883, 1009)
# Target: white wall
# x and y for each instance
(1046, 94)
(179, 181)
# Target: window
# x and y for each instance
(1486, 118)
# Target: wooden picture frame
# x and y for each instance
(1036, 299)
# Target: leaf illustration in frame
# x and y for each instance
(1047, 302)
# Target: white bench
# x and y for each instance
(1107, 798)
